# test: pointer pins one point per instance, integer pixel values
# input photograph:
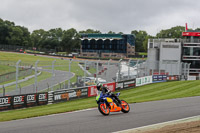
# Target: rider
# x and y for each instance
(105, 90)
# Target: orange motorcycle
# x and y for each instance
(107, 103)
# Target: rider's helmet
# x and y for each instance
(99, 86)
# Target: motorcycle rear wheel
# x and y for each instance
(125, 107)
(103, 110)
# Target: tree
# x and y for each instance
(140, 38)
(70, 40)
(174, 32)
(90, 31)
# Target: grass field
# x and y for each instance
(42, 76)
(157, 91)
(6, 69)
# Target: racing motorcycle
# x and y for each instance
(107, 104)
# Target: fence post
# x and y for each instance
(4, 91)
(53, 74)
(137, 68)
(97, 67)
(17, 73)
(119, 65)
(36, 63)
(129, 68)
(108, 68)
(69, 71)
(84, 73)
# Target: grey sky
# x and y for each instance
(103, 15)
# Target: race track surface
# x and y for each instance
(91, 121)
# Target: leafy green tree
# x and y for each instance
(174, 32)
(70, 40)
(140, 38)
(111, 32)
(90, 31)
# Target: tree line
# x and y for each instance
(69, 40)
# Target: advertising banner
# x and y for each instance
(159, 78)
(143, 80)
(92, 90)
(42, 98)
(65, 95)
(31, 100)
(110, 86)
(5, 103)
(129, 83)
(173, 77)
(119, 85)
(18, 101)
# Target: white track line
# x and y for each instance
(160, 125)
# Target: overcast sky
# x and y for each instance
(104, 15)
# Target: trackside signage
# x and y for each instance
(42, 98)
(129, 83)
(119, 85)
(65, 95)
(92, 90)
(143, 80)
(159, 78)
(5, 103)
(18, 101)
(31, 100)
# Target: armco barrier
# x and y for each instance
(21, 101)
(66, 95)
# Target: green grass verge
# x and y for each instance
(6, 69)
(158, 91)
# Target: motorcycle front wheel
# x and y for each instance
(125, 107)
(104, 109)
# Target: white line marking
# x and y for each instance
(160, 125)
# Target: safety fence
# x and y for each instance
(35, 99)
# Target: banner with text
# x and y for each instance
(5, 103)
(143, 80)
(92, 90)
(65, 95)
(159, 78)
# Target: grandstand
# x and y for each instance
(107, 45)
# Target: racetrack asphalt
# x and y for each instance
(91, 121)
(60, 76)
